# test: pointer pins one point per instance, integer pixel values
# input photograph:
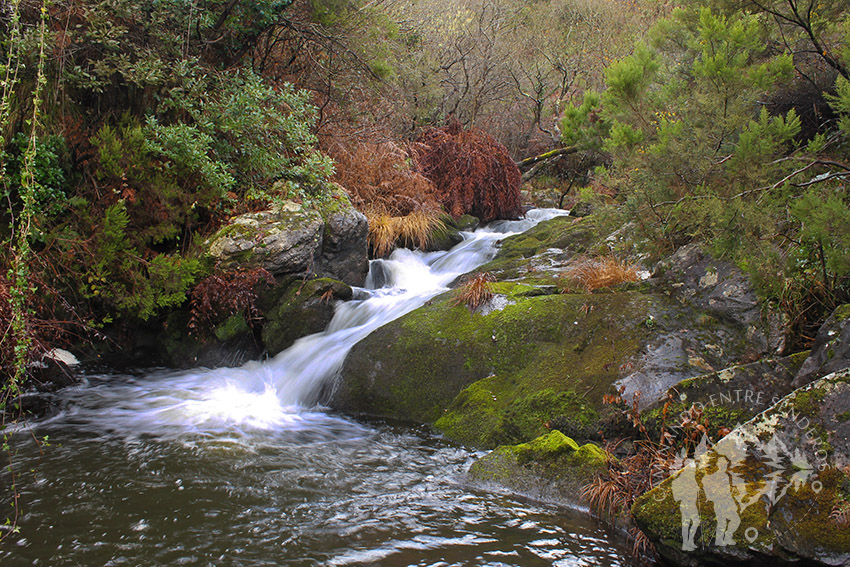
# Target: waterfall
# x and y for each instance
(282, 392)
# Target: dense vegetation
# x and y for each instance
(132, 129)
(729, 126)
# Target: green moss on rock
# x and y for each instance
(234, 326)
(537, 359)
(811, 467)
(302, 308)
(552, 467)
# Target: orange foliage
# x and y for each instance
(379, 177)
(400, 203)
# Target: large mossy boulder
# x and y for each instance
(533, 356)
(292, 240)
(552, 467)
(778, 487)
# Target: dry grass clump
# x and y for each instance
(414, 230)
(596, 273)
(477, 291)
(649, 462)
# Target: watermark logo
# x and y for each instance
(723, 476)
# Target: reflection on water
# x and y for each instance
(322, 490)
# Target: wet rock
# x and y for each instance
(445, 239)
(581, 209)
(784, 486)
(530, 358)
(232, 342)
(304, 308)
(345, 245)
(551, 468)
(831, 349)
(53, 372)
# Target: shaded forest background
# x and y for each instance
(132, 129)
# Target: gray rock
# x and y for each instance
(721, 288)
(731, 396)
(303, 308)
(789, 474)
(831, 350)
(345, 247)
(287, 240)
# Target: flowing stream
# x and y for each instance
(241, 466)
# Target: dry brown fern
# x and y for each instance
(223, 294)
(381, 177)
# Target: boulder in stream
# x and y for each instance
(551, 468)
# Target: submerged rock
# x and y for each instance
(775, 489)
(552, 467)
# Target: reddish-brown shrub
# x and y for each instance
(223, 294)
(473, 172)
(400, 203)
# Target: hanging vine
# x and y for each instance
(20, 288)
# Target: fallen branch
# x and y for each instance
(528, 162)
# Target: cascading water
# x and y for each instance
(239, 466)
(275, 393)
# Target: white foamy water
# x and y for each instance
(281, 392)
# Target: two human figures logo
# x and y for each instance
(718, 474)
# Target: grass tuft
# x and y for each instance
(477, 291)
(596, 273)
